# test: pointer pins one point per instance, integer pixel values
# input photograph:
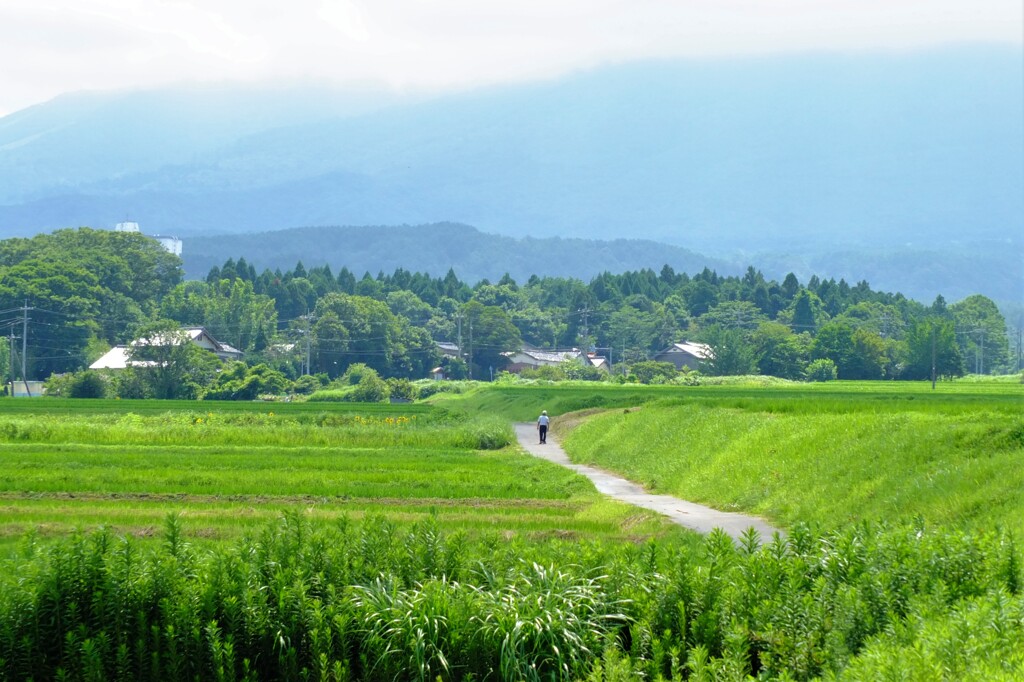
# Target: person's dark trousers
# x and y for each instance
(543, 434)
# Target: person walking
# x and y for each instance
(542, 426)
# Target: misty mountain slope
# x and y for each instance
(434, 249)
(788, 153)
(77, 140)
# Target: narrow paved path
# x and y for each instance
(693, 516)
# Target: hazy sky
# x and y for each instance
(52, 46)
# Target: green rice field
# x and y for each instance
(227, 468)
(151, 540)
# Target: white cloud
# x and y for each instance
(52, 46)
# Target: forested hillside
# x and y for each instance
(992, 269)
(435, 248)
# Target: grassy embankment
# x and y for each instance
(231, 467)
(875, 452)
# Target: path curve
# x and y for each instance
(693, 516)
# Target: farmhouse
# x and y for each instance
(118, 356)
(530, 358)
(685, 354)
(448, 349)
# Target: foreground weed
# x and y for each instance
(354, 601)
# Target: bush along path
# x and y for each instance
(687, 514)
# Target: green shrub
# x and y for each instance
(402, 389)
(647, 371)
(306, 384)
(491, 433)
(822, 369)
(370, 389)
(240, 382)
(430, 387)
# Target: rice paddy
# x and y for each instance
(85, 464)
(334, 541)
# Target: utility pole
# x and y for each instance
(585, 336)
(307, 361)
(1018, 346)
(10, 361)
(470, 348)
(24, 349)
(309, 352)
(979, 354)
(458, 320)
(933, 356)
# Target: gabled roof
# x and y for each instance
(118, 356)
(448, 348)
(701, 351)
(551, 356)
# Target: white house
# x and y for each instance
(118, 356)
(528, 358)
(685, 354)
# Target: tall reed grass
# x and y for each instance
(371, 601)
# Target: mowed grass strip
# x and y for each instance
(957, 467)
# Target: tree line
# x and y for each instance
(78, 292)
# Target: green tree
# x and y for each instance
(169, 364)
(329, 343)
(651, 371)
(732, 354)
(488, 332)
(230, 310)
(732, 315)
(806, 311)
(632, 328)
(821, 369)
(65, 299)
(931, 340)
(857, 353)
(356, 329)
(982, 332)
(779, 352)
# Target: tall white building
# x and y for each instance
(170, 244)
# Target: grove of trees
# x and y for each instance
(84, 290)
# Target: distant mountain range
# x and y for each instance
(436, 248)
(783, 158)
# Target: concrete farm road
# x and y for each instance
(693, 516)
